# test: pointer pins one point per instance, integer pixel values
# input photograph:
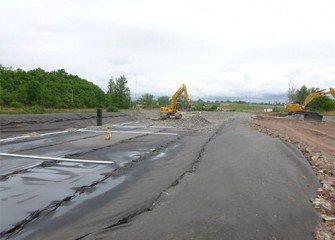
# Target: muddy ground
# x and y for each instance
(208, 175)
(316, 140)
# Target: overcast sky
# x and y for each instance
(230, 49)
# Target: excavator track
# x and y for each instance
(312, 116)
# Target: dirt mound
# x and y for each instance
(194, 122)
(139, 115)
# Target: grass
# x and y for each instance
(40, 110)
(255, 108)
(329, 113)
(249, 108)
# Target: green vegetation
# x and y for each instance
(322, 104)
(32, 110)
(118, 94)
(238, 106)
(328, 113)
(163, 101)
(250, 107)
(111, 108)
(56, 89)
(147, 100)
(38, 91)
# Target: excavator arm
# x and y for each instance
(166, 112)
(301, 108)
(177, 94)
(321, 93)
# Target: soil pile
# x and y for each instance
(140, 115)
(194, 122)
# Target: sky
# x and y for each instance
(238, 50)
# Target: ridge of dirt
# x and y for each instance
(315, 141)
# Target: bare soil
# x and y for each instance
(316, 140)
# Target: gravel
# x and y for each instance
(200, 121)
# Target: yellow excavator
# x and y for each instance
(167, 112)
(301, 108)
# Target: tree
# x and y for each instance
(163, 101)
(291, 94)
(118, 94)
(34, 92)
(49, 89)
(111, 85)
(302, 94)
(323, 103)
(199, 105)
(147, 100)
(110, 92)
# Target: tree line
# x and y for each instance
(56, 89)
(118, 96)
(59, 89)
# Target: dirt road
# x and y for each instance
(319, 136)
(210, 176)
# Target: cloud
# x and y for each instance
(218, 49)
(119, 61)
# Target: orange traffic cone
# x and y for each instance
(108, 135)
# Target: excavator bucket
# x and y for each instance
(312, 116)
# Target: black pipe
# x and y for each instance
(99, 117)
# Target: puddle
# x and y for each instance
(124, 156)
(160, 155)
(164, 153)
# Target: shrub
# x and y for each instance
(112, 108)
(36, 109)
(323, 104)
(198, 108)
(214, 107)
(16, 104)
(275, 109)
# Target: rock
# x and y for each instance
(328, 187)
(319, 202)
(308, 150)
(328, 218)
(33, 134)
(71, 129)
(323, 236)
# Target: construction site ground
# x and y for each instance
(316, 140)
(209, 175)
